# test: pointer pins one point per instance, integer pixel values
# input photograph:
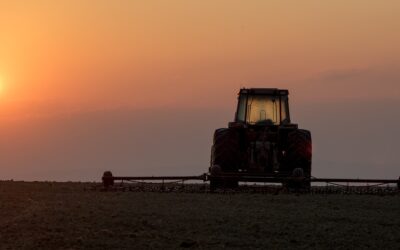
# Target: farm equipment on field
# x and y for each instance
(261, 141)
(263, 184)
(261, 145)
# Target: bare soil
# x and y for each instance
(41, 215)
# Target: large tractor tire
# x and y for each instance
(299, 154)
(225, 153)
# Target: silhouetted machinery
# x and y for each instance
(261, 141)
(261, 145)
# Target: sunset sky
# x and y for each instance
(138, 87)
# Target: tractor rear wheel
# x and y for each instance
(225, 153)
(299, 153)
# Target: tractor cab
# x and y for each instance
(261, 140)
(263, 106)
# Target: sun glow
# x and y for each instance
(1, 85)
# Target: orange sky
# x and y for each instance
(102, 53)
(59, 58)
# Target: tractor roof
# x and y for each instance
(264, 91)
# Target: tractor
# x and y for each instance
(261, 141)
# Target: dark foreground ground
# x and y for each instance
(65, 216)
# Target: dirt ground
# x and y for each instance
(68, 216)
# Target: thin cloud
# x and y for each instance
(378, 82)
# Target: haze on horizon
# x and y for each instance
(138, 87)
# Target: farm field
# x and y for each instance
(47, 215)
